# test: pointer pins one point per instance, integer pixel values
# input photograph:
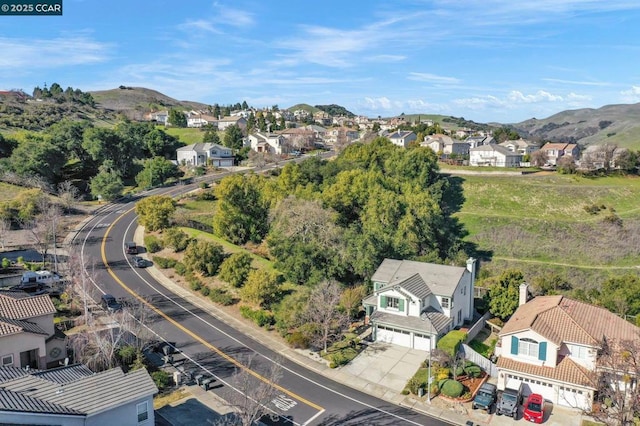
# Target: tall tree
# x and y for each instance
(156, 172)
(107, 184)
(104, 144)
(204, 257)
(155, 211)
(262, 288)
(177, 118)
(233, 137)
(37, 155)
(504, 293)
(323, 309)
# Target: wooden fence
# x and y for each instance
(481, 361)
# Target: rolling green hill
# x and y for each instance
(306, 107)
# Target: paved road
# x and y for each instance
(212, 346)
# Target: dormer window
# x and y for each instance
(392, 302)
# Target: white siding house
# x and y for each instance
(267, 142)
(415, 303)
(494, 155)
(402, 138)
(198, 154)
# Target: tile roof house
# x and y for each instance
(267, 142)
(555, 151)
(494, 155)
(551, 344)
(205, 153)
(415, 303)
(74, 395)
(28, 336)
(402, 138)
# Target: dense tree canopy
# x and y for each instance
(155, 211)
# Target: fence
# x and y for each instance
(483, 362)
(477, 327)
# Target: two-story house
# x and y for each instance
(402, 138)
(205, 153)
(28, 336)
(494, 155)
(554, 151)
(445, 145)
(551, 345)
(75, 395)
(415, 303)
(267, 142)
(521, 146)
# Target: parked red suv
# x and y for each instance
(534, 408)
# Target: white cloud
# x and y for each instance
(377, 104)
(540, 96)
(386, 58)
(200, 25)
(577, 83)
(432, 78)
(632, 95)
(51, 53)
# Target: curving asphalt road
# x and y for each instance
(213, 347)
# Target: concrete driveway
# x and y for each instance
(387, 365)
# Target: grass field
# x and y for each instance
(540, 222)
(188, 135)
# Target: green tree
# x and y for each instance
(211, 136)
(107, 184)
(242, 213)
(233, 137)
(621, 294)
(236, 268)
(36, 155)
(157, 143)
(262, 288)
(176, 239)
(104, 145)
(156, 172)
(204, 257)
(177, 118)
(504, 293)
(155, 212)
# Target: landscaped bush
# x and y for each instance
(451, 341)
(180, 268)
(152, 243)
(5, 263)
(164, 262)
(195, 284)
(205, 291)
(220, 296)
(414, 384)
(442, 373)
(338, 359)
(452, 388)
(298, 340)
(259, 316)
(473, 371)
(161, 378)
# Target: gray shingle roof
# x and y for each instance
(17, 401)
(89, 394)
(441, 280)
(63, 375)
(433, 323)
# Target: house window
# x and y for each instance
(7, 360)
(446, 303)
(143, 411)
(460, 316)
(528, 347)
(579, 352)
(392, 302)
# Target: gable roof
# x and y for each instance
(201, 147)
(567, 371)
(10, 326)
(431, 321)
(561, 319)
(400, 134)
(86, 395)
(14, 305)
(494, 148)
(419, 278)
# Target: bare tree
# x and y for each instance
(5, 227)
(616, 379)
(252, 397)
(257, 159)
(79, 273)
(323, 309)
(539, 158)
(69, 195)
(39, 236)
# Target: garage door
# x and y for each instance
(574, 398)
(422, 342)
(392, 336)
(533, 386)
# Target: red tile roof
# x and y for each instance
(567, 371)
(16, 306)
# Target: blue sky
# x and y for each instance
(485, 60)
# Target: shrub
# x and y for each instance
(459, 371)
(259, 316)
(338, 359)
(473, 371)
(5, 263)
(414, 384)
(205, 291)
(221, 297)
(452, 388)
(442, 374)
(180, 268)
(164, 262)
(152, 243)
(195, 285)
(298, 340)
(451, 341)
(441, 382)
(161, 378)
(177, 239)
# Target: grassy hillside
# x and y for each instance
(188, 135)
(306, 107)
(546, 222)
(139, 98)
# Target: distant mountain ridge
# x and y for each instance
(138, 98)
(615, 124)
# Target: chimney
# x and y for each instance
(471, 267)
(524, 294)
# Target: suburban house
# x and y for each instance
(476, 141)
(199, 154)
(74, 395)
(225, 122)
(555, 151)
(551, 344)
(300, 137)
(605, 156)
(199, 120)
(415, 303)
(402, 138)
(267, 142)
(336, 135)
(159, 116)
(494, 155)
(28, 336)
(521, 146)
(445, 145)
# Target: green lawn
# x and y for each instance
(188, 135)
(537, 222)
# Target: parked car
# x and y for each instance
(486, 397)
(534, 408)
(509, 400)
(109, 303)
(131, 247)
(139, 262)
